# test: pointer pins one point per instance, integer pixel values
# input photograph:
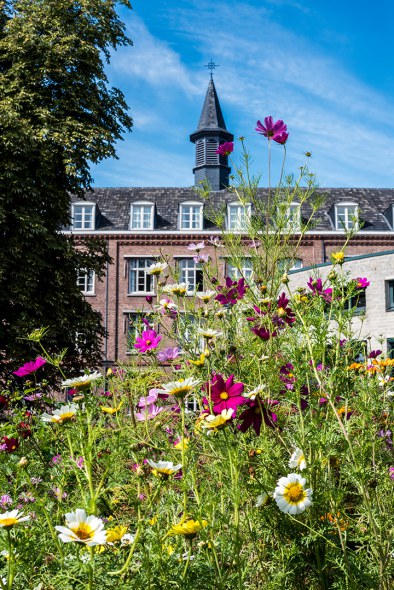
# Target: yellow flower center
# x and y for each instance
(83, 531)
(257, 410)
(281, 312)
(66, 416)
(294, 493)
(223, 395)
(8, 522)
(180, 391)
(148, 342)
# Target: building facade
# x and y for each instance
(142, 225)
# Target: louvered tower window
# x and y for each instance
(200, 145)
(211, 147)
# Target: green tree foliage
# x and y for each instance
(57, 115)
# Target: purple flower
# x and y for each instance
(316, 286)
(254, 415)
(32, 397)
(276, 131)
(201, 258)
(196, 247)
(148, 340)
(5, 499)
(148, 400)
(149, 299)
(169, 354)
(56, 459)
(362, 283)
(232, 292)
(391, 472)
(225, 395)
(262, 333)
(374, 354)
(9, 445)
(30, 367)
(149, 413)
(225, 149)
(284, 313)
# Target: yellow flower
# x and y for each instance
(109, 410)
(213, 422)
(338, 257)
(187, 528)
(153, 520)
(9, 519)
(199, 362)
(181, 444)
(116, 534)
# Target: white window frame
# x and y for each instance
(87, 222)
(86, 281)
(140, 224)
(293, 217)
(188, 269)
(347, 222)
(140, 274)
(240, 222)
(191, 205)
(244, 271)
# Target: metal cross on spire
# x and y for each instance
(211, 66)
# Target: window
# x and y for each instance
(141, 216)
(140, 282)
(244, 269)
(358, 303)
(83, 215)
(134, 326)
(390, 295)
(191, 273)
(287, 264)
(390, 348)
(293, 218)
(238, 216)
(85, 281)
(191, 216)
(346, 216)
(187, 336)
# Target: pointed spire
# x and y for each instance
(210, 133)
(211, 114)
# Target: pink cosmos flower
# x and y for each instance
(149, 413)
(362, 283)
(149, 340)
(169, 354)
(391, 472)
(30, 367)
(148, 400)
(201, 258)
(196, 247)
(316, 286)
(276, 131)
(225, 395)
(225, 149)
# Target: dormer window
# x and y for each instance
(83, 215)
(142, 215)
(190, 216)
(238, 216)
(346, 216)
(293, 217)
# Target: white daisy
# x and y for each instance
(205, 296)
(297, 460)
(291, 495)
(164, 468)
(63, 414)
(82, 381)
(179, 388)
(9, 519)
(176, 289)
(82, 528)
(157, 268)
(255, 392)
(208, 334)
(215, 422)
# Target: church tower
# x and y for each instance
(211, 132)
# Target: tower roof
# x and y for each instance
(211, 114)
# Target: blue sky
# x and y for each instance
(324, 67)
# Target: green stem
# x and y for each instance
(10, 571)
(189, 553)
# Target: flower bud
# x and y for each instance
(23, 462)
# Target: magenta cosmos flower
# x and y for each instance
(362, 283)
(232, 292)
(225, 395)
(30, 367)
(149, 340)
(225, 149)
(276, 131)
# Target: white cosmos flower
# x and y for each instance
(297, 460)
(82, 381)
(63, 414)
(82, 528)
(179, 388)
(164, 468)
(291, 495)
(157, 268)
(255, 392)
(9, 519)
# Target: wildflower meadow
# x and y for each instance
(246, 445)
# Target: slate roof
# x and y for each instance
(113, 206)
(211, 114)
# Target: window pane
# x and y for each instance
(139, 280)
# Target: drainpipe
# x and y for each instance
(106, 317)
(323, 250)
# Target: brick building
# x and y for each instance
(140, 224)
